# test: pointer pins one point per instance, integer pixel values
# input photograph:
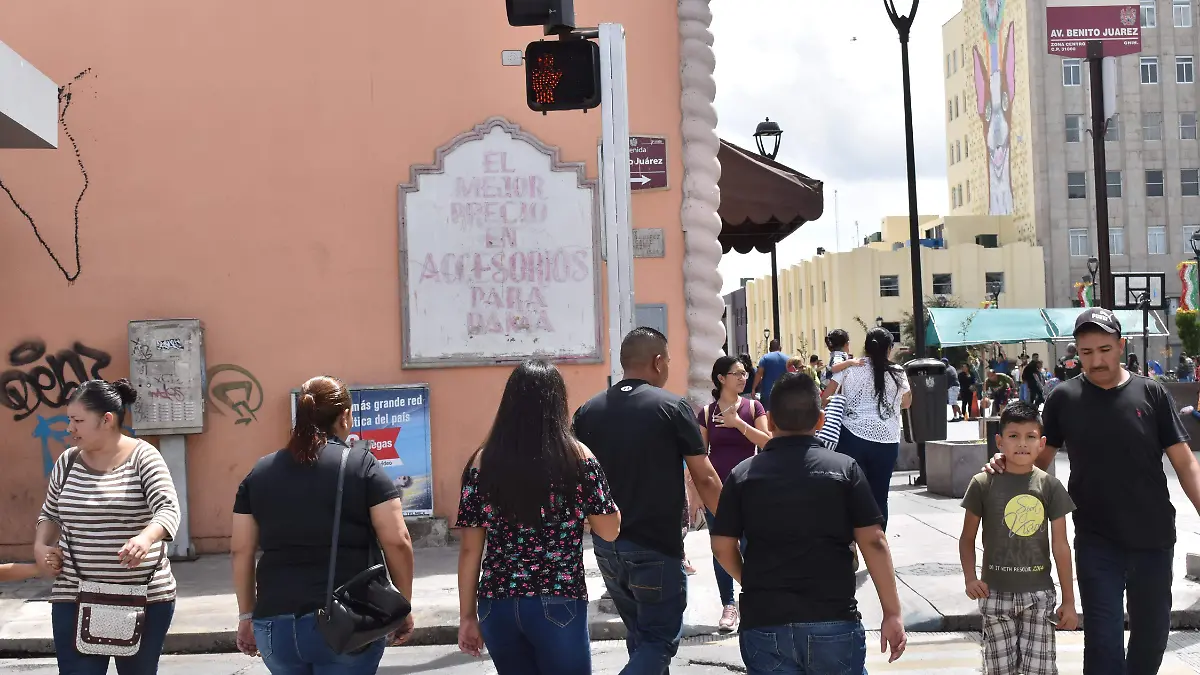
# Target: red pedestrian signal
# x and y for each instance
(562, 75)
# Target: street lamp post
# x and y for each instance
(903, 26)
(769, 131)
(994, 289)
(767, 339)
(1094, 267)
(1194, 242)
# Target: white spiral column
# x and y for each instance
(701, 197)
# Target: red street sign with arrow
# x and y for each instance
(648, 163)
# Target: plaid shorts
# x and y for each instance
(1018, 633)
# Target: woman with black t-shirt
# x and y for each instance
(527, 493)
(285, 507)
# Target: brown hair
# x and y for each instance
(321, 402)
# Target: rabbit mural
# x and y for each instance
(995, 88)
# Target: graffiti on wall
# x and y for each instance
(39, 379)
(52, 432)
(236, 389)
(995, 90)
(64, 104)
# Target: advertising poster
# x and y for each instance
(394, 421)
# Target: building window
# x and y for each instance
(1149, 14)
(949, 111)
(892, 327)
(947, 65)
(1187, 126)
(1074, 128)
(789, 301)
(956, 113)
(1079, 241)
(1116, 241)
(942, 285)
(1072, 72)
(1188, 232)
(1114, 184)
(1112, 132)
(1189, 180)
(824, 295)
(1154, 183)
(1184, 71)
(1149, 70)
(1151, 126)
(951, 151)
(991, 278)
(958, 151)
(1156, 240)
(1076, 185)
(966, 147)
(968, 192)
(1181, 10)
(889, 286)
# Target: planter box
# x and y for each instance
(950, 465)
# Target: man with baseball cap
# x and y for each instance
(1116, 426)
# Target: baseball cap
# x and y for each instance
(1098, 316)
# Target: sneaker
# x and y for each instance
(729, 620)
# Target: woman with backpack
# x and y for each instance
(733, 427)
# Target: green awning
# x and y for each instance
(956, 327)
(1062, 319)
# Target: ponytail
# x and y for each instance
(321, 402)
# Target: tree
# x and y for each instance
(907, 335)
(1189, 331)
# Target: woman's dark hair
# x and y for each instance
(103, 397)
(745, 359)
(321, 402)
(530, 454)
(837, 340)
(721, 367)
(1060, 372)
(878, 348)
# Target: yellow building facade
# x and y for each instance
(854, 289)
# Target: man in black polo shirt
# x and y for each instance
(642, 435)
(1116, 426)
(799, 506)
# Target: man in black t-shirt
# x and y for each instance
(797, 602)
(643, 435)
(1116, 426)
(1070, 362)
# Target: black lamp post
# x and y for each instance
(1093, 268)
(767, 339)
(994, 289)
(770, 131)
(1194, 242)
(903, 26)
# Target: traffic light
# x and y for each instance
(562, 75)
(555, 15)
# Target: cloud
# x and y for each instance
(829, 73)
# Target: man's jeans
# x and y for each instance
(724, 581)
(1106, 572)
(540, 635)
(292, 645)
(650, 592)
(805, 648)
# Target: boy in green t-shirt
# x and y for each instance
(1016, 595)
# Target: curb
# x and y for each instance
(602, 629)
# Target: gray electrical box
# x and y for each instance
(166, 366)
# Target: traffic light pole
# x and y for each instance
(614, 188)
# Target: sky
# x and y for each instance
(829, 74)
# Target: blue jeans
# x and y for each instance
(145, 662)
(1107, 572)
(650, 592)
(877, 461)
(724, 581)
(545, 635)
(805, 648)
(292, 645)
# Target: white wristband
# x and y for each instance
(246, 616)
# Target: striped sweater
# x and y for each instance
(100, 512)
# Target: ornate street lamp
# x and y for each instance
(903, 26)
(768, 131)
(1093, 267)
(994, 289)
(1194, 242)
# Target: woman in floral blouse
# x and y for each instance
(527, 491)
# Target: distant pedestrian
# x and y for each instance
(643, 436)
(1021, 509)
(770, 367)
(966, 389)
(733, 429)
(285, 507)
(1116, 426)
(527, 493)
(110, 509)
(799, 613)
(749, 365)
(952, 391)
(1186, 369)
(1070, 363)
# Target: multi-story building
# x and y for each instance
(1027, 153)
(854, 290)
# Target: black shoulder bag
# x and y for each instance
(364, 609)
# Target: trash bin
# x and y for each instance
(927, 379)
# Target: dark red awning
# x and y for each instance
(762, 201)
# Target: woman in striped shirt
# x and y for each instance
(110, 507)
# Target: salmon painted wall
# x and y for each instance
(242, 161)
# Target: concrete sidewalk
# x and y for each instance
(923, 533)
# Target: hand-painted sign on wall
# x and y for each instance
(499, 254)
(394, 420)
